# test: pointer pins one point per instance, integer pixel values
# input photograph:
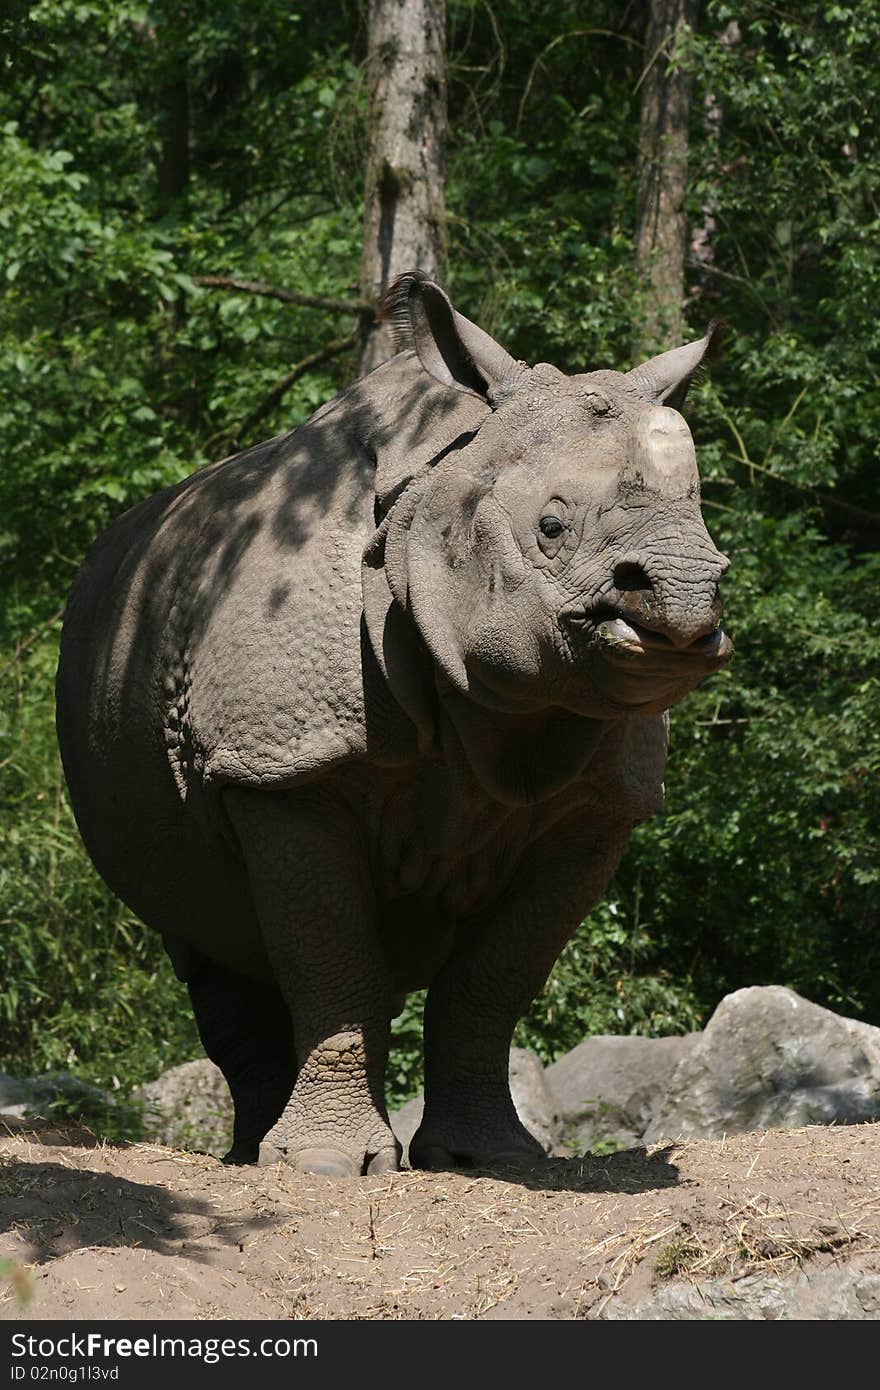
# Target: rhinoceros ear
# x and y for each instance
(665, 379)
(455, 351)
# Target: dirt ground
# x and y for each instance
(89, 1230)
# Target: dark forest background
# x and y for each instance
(188, 192)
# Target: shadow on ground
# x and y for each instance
(632, 1170)
(53, 1209)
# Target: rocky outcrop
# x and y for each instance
(607, 1088)
(53, 1096)
(769, 1059)
(188, 1107)
(823, 1295)
(533, 1098)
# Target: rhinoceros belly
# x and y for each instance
(442, 855)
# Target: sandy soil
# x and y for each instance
(89, 1230)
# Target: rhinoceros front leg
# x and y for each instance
(314, 901)
(500, 962)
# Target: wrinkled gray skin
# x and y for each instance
(375, 706)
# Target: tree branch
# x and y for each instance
(825, 499)
(281, 387)
(361, 307)
(818, 495)
(703, 268)
(554, 43)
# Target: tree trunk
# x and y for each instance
(661, 222)
(702, 236)
(172, 164)
(404, 215)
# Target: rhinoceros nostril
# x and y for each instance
(629, 577)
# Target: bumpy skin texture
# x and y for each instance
(375, 705)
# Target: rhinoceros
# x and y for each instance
(374, 706)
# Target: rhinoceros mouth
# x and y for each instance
(627, 642)
(640, 651)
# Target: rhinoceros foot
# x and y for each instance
(439, 1148)
(333, 1163)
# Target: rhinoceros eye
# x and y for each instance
(551, 527)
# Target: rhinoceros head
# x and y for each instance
(556, 555)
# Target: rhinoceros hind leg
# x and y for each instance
(245, 1029)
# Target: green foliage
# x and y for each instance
(404, 1074)
(119, 373)
(608, 980)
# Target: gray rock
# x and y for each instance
(188, 1107)
(606, 1088)
(532, 1097)
(769, 1059)
(53, 1096)
(534, 1101)
(407, 1119)
(821, 1295)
